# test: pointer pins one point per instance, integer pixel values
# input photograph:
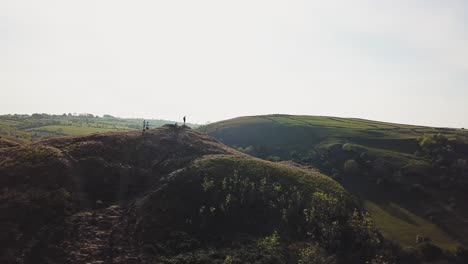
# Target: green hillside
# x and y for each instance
(26, 128)
(413, 179)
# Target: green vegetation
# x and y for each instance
(421, 169)
(280, 212)
(393, 194)
(172, 195)
(73, 130)
(41, 126)
(399, 224)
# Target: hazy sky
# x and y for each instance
(396, 60)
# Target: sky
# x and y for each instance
(403, 61)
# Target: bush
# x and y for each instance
(347, 147)
(363, 227)
(351, 166)
(378, 260)
(228, 260)
(269, 244)
(313, 254)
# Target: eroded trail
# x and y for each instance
(98, 236)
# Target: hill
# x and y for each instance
(174, 195)
(413, 179)
(26, 128)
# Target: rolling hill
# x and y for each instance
(174, 195)
(27, 128)
(412, 179)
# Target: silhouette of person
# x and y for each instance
(184, 120)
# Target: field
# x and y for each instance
(26, 128)
(75, 130)
(399, 224)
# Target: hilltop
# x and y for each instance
(412, 179)
(174, 195)
(27, 128)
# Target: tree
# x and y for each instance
(351, 166)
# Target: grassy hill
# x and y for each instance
(26, 128)
(413, 179)
(174, 195)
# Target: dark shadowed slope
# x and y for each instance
(172, 195)
(413, 179)
(45, 183)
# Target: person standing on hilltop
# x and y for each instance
(144, 125)
(184, 120)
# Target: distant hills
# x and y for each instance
(25, 128)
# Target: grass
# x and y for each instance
(390, 130)
(75, 130)
(402, 226)
(391, 156)
(395, 158)
(6, 122)
(42, 126)
(310, 131)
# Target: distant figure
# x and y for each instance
(144, 125)
(184, 120)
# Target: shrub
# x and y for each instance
(228, 260)
(363, 226)
(270, 243)
(347, 147)
(313, 254)
(207, 184)
(379, 259)
(351, 166)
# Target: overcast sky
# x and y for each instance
(398, 60)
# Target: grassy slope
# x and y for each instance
(401, 225)
(75, 130)
(28, 128)
(393, 143)
(397, 142)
